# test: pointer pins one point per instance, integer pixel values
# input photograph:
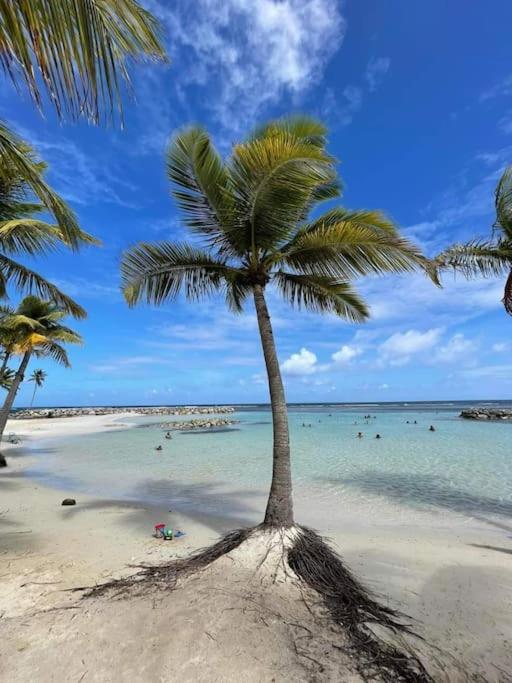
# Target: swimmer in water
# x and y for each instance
(359, 435)
(377, 436)
(431, 428)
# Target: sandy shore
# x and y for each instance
(461, 592)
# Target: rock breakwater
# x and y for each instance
(501, 414)
(39, 413)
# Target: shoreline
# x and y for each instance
(427, 572)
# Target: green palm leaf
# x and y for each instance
(75, 50)
(503, 203)
(17, 158)
(158, 272)
(25, 279)
(347, 244)
(479, 257)
(322, 295)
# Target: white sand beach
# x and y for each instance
(461, 593)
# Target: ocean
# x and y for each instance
(462, 470)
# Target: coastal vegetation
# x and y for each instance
(257, 228)
(37, 329)
(488, 257)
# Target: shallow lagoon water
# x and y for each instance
(463, 468)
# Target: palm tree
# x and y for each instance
(251, 213)
(487, 258)
(76, 51)
(22, 234)
(39, 332)
(38, 377)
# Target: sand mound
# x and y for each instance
(242, 617)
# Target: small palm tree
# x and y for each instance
(38, 331)
(487, 258)
(251, 213)
(23, 234)
(38, 377)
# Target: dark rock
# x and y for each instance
(68, 501)
(3, 461)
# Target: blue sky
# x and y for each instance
(418, 99)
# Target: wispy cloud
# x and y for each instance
(250, 54)
(376, 70)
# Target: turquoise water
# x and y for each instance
(463, 467)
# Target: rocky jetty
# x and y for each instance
(38, 413)
(501, 414)
(186, 425)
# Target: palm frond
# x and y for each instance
(76, 50)
(25, 279)
(158, 272)
(53, 350)
(6, 378)
(274, 179)
(303, 127)
(346, 244)
(322, 294)
(478, 258)
(503, 203)
(507, 294)
(201, 184)
(17, 156)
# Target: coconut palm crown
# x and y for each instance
(251, 214)
(488, 258)
(37, 330)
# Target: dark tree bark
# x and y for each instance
(279, 510)
(11, 395)
(507, 295)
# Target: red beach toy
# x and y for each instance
(159, 530)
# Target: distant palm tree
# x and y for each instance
(22, 234)
(38, 332)
(251, 213)
(487, 258)
(38, 377)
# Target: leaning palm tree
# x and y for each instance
(23, 233)
(40, 332)
(488, 258)
(38, 377)
(251, 213)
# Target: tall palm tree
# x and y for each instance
(252, 214)
(39, 332)
(76, 51)
(487, 258)
(23, 234)
(38, 377)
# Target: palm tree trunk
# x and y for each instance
(507, 295)
(279, 510)
(9, 400)
(33, 395)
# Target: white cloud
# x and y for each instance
(500, 347)
(457, 348)
(399, 348)
(384, 386)
(251, 52)
(346, 354)
(505, 123)
(302, 363)
(376, 70)
(504, 87)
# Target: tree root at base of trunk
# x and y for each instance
(378, 635)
